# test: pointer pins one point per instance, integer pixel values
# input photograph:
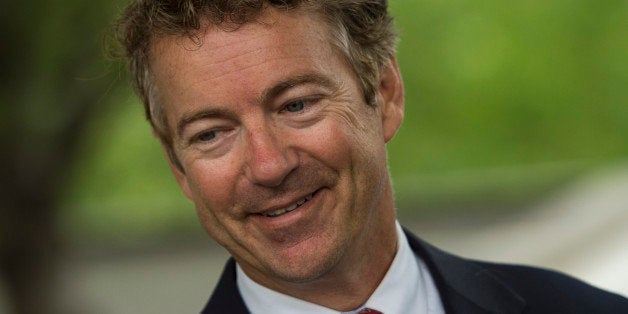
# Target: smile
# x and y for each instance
(288, 209)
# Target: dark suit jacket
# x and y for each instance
(468, 287)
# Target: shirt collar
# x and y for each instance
(403, 289)
(407, 287)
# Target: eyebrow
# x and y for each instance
(200, 115)
(281, 87)
(267, 96)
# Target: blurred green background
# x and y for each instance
(504, 101)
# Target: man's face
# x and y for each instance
(285, 162)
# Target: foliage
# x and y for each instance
(52, 84)
(496, 83)
(489, 85)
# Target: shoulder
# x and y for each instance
(486, 287)
(555, 292)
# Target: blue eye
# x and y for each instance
(295, 106)
(206, 136)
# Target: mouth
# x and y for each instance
(283, 211)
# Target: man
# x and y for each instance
(274, 116)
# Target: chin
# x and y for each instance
(304, 267)
(305, 273)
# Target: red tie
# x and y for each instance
(366, 310)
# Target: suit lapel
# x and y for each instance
(465, 286)
(226, 297)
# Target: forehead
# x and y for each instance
(232, 68)
(215, 51)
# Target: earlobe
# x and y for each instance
(391, 100)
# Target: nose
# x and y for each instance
(269, 158)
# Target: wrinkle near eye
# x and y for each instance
(347, 114)
(343, 107)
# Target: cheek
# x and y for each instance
(212, 184)
(356, 138)
(213, 189)
(327, 142)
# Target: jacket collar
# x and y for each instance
(226, 297)
(464, 285)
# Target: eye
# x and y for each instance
(205, 136)
(295, 106)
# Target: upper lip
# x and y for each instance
(282, 205)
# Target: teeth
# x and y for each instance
(290, 208)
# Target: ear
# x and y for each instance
(391, 98)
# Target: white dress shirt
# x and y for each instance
(407, 287)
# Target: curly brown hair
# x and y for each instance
(362, 30)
